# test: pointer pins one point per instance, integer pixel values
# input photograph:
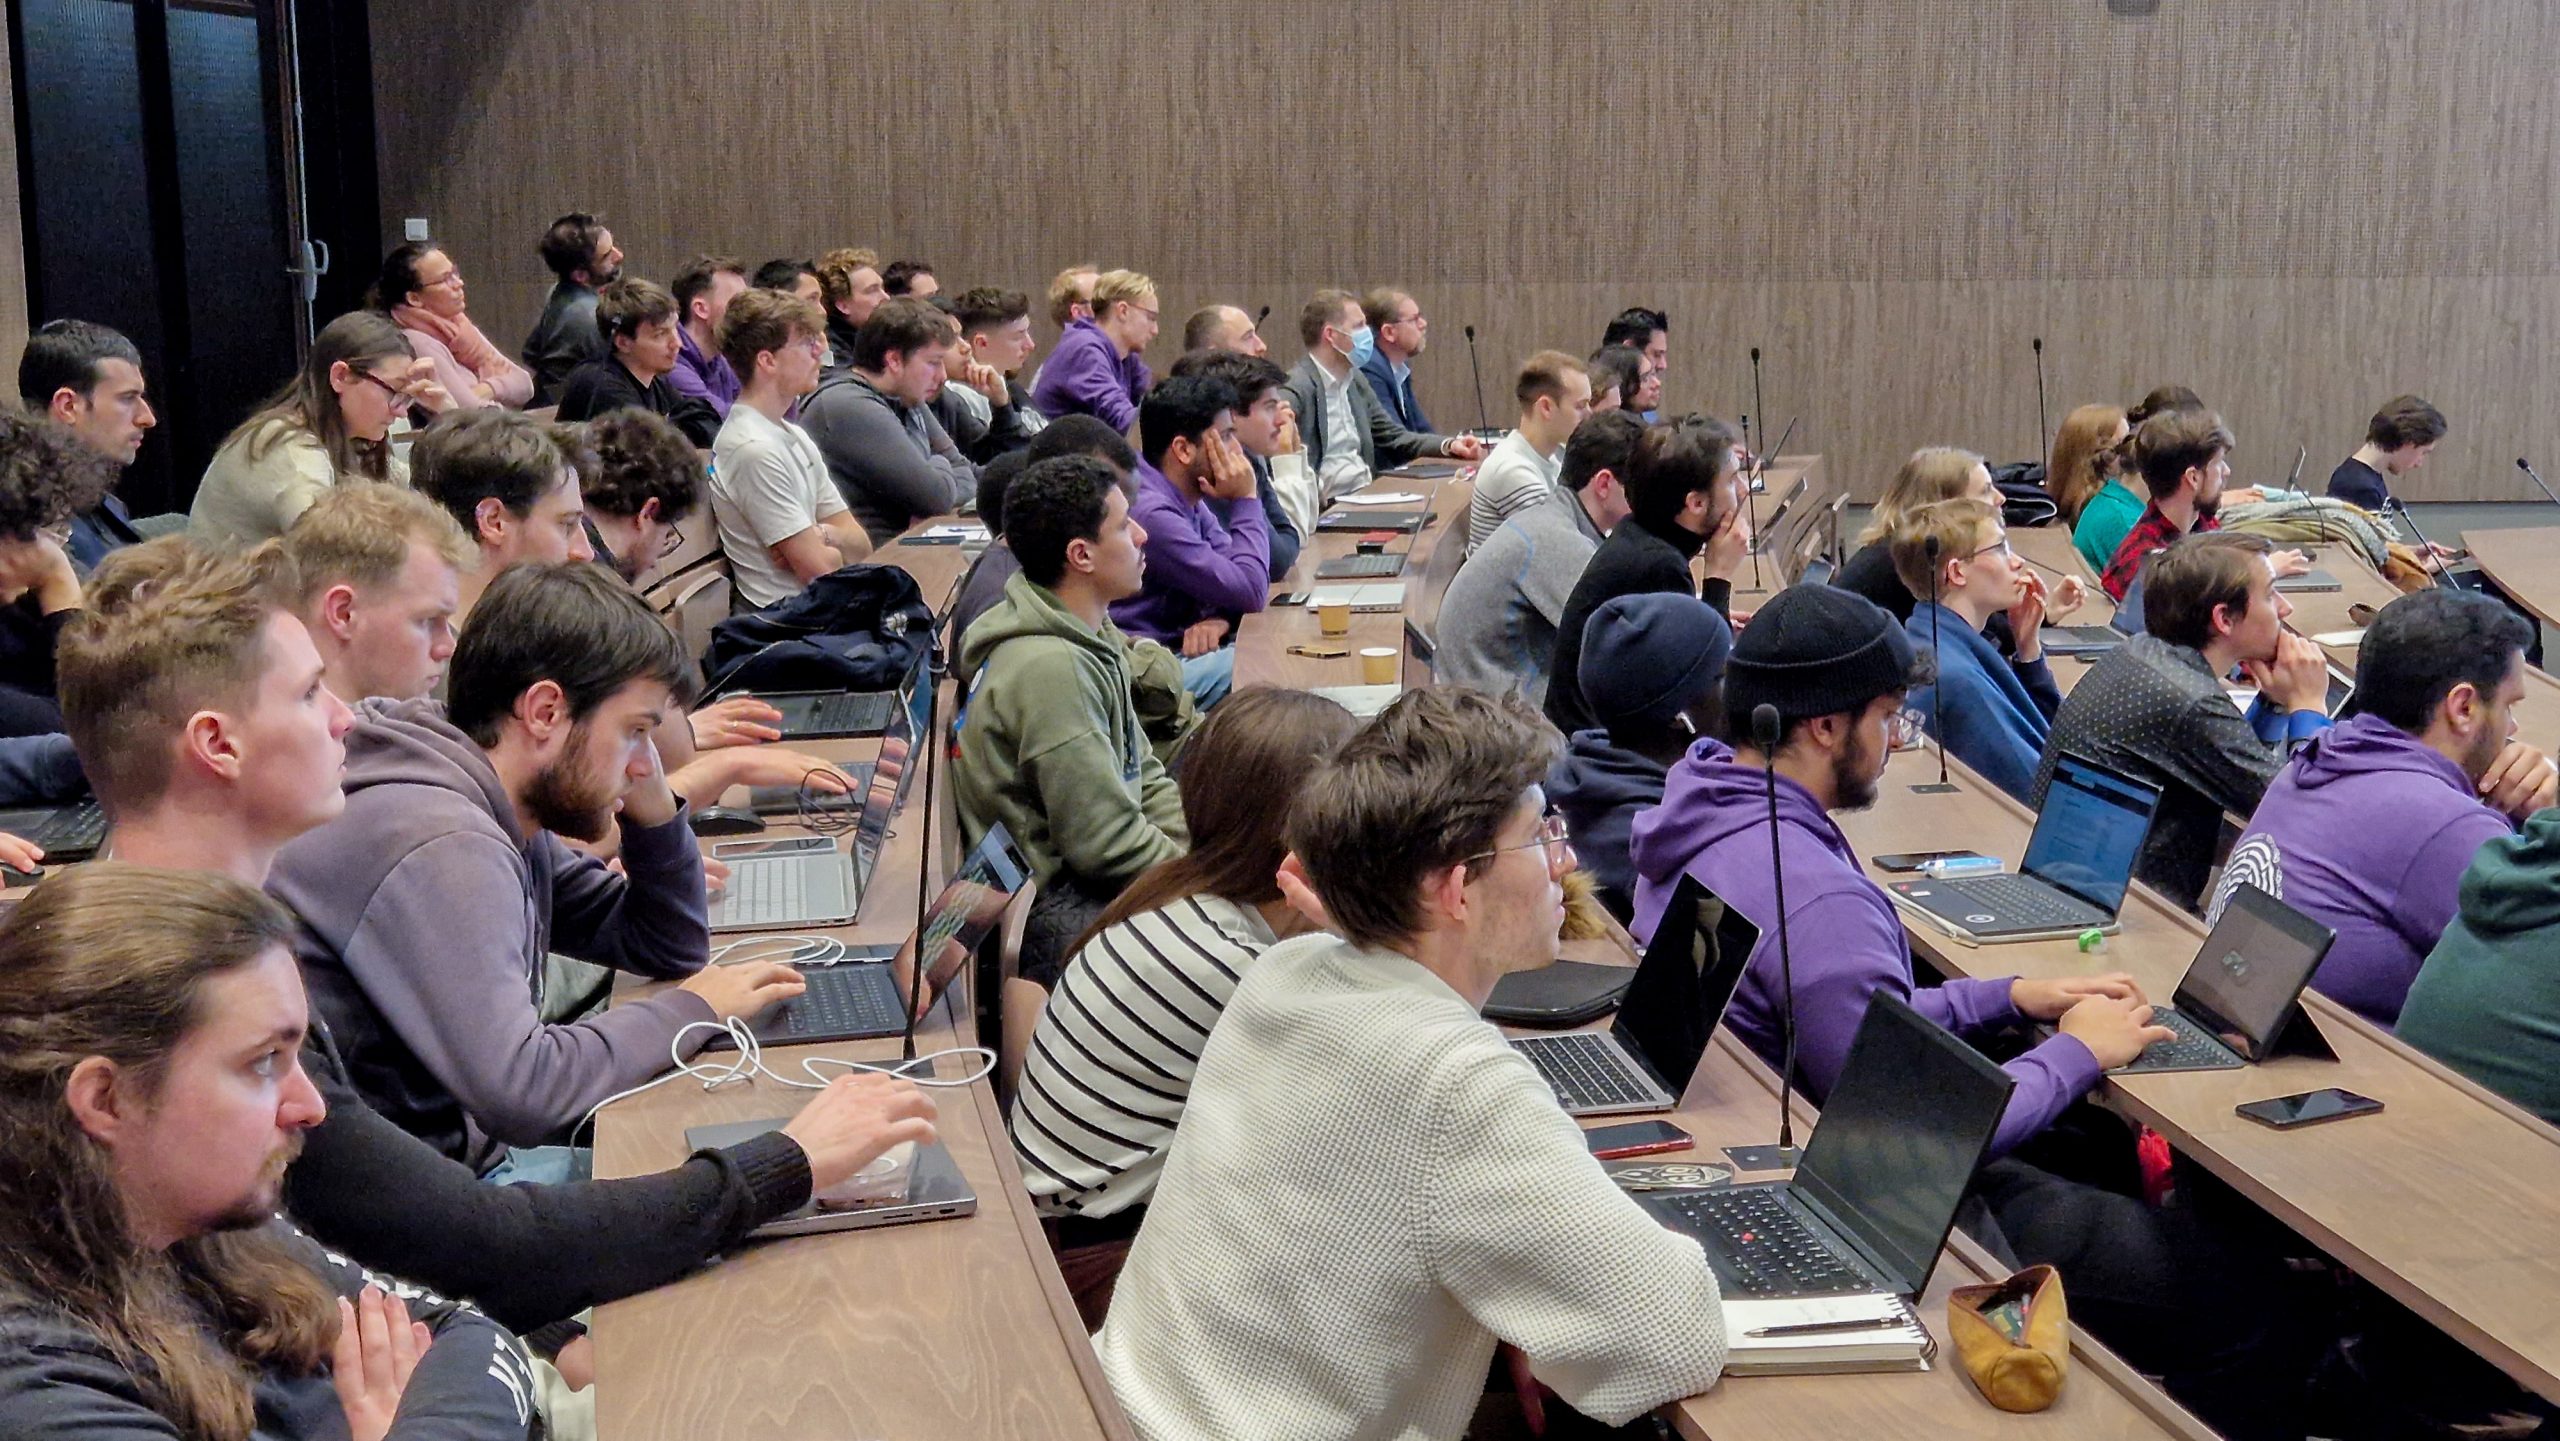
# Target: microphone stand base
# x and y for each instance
(1763, 1158)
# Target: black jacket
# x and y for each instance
(1634, 560)
(562, 340)
(602, 386)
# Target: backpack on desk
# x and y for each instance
(856, 629)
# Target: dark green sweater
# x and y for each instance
(2487, 1002)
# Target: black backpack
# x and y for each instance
(855, 629)
(2023, 501)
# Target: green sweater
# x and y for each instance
(2487, 1002)
(2104, 523)
(1053, 747)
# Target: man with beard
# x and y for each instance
(581, 252)
(428, 905)
(2153, 1283)
(2184, 457)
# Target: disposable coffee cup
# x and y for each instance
(1378, 665)
(1334, 617)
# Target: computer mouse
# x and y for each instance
(726, 821)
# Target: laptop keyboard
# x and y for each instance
(73, 832)
(766, 893)
(2021, 902)
(1363, 567)
(850, 1000)
(1763, 1250)
(1586, 1070)
(2192, 1048)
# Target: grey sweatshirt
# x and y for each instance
(425, 917)
(895, 464)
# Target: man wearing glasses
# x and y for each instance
(1350, 436)
(782, 521)
(1403, 332)
(1990, 711)
(1095, 369)
(1363, 1154)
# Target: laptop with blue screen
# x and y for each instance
(2079, 864)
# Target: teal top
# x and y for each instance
(2104, 523)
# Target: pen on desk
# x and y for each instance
(1818, 1328)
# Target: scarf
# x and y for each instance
(470, 348)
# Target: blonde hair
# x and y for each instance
(172, 628)
(836, 268)
(2085, 456)
(1542, 376)
(361, 534)
(1114, 286)
(1932, 474)
(1960, 527)
(1070, 288)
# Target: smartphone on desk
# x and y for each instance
(1643, 1138)
(2310, 1108)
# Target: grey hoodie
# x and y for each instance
(426, 914)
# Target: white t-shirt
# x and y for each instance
(768, 484)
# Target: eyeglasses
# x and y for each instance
(672, 541)
(395, 392)
(1905, 728)
(1142, 310)
(1551, 838)
(2000, 547)
(450, 277)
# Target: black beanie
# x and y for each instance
(1816, 650)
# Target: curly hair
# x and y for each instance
(47, 475)
(632, 457)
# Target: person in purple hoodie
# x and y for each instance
(2369, 829)
(1095, 369)
(2155, 1284)
(1201, 575)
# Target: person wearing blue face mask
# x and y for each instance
(1349, 435)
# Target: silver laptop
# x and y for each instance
(2079, 863)
(1687, 977)
(934, 1189)
(1367, 598)
(783, 882)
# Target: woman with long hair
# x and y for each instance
(1932, 474)
(151, 1097)
(422, 290)
(330, 423)
(2087, 457)
(1110, 1060)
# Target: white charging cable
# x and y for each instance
(749, 1064)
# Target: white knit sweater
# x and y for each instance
(1368, 1190)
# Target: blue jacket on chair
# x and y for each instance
(1394, 396)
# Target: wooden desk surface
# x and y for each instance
(2524, 562)
(1263, 638)
(2445, 1200)
(943, 1328)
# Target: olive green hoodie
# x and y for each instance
(2487, 1001)
(1053, 748)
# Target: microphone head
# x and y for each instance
(1929, 544)
(2039, 344)
(1261, 316)
(2521, 464)
(1755, 355)
(1471, 332)
(1764, 727)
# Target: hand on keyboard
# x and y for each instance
(745, 990)
(2115, 1030)
(2046, 999)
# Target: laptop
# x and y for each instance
(65, 833)
(2242, 995)
(1872, 1200)
(934, 1191)
(1420, 658)
(811, 715)
(2125, 624)
(1358, 519)
(2079, 862)
(1765, 533)
(861, 996)
(1817, 571)
(2310, 582)
(1373, 598)
(783, 882)
(1687, 977)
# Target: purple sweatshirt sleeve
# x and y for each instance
(441, 949)
(653, 920)
(1222, 569)
(1081, 376)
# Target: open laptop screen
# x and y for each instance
(1901, 1133)
(890, 773)
(969, 907)
(1701, 946)
(2128, 617)
(2089, 832)
(2252, 968)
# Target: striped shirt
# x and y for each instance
(1110, 1064)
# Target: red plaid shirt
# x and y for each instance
(2154, 532)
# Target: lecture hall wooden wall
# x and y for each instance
(2298, 206)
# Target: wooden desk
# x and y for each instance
(942, 1328)
(2446, 1201)
(1264, 637)
(2525, 563)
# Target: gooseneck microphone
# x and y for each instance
(1937, 691)
(935, 665)
(2044, 427)
(1758, 408)
(2535, 476)
(2434, 566)
(1260, 316)
(1484, 426)
(1764, 734)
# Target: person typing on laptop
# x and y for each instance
(2154, 709)
(2156, 1285)
(188, 686)
(1370, 1190)
(428, 905)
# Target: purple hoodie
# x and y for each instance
(1196, 568)
(1847, 939)
(2368, 832)
(1087, 375)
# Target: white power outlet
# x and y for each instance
(415, 228)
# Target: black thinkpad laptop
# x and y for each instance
(833, 715)
(1870, 1206)
(65, 833)
(1681, 988)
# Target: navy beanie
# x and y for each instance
(1646, 657)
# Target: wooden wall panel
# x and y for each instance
(2298, 206)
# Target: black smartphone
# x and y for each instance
(1914, 860)
(1295, 597)
(2309, 1108)
(1643, 1138)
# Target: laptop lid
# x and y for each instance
(2089, 832)
(891, 770)
(1900, 1137)
(1816, 572)
(2244, 981)
(1767, 532)
(2128, 617)
(1416, 672)
(1687, 977)
(970, 907)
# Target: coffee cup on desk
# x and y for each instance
(1378, 665)
(1333, 617)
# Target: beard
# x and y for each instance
(564, 802)
(261, 1205)
(2484, 753)
(2209, 507)
(1854, 777)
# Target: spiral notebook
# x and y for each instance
(1877, 1332)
